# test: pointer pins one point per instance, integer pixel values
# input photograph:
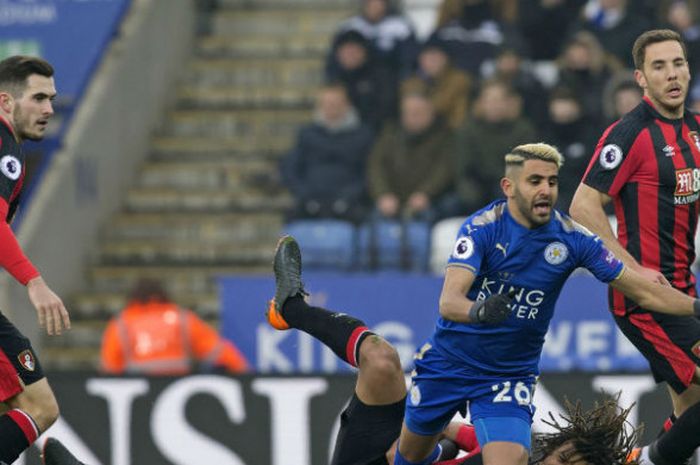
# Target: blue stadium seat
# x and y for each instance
(384, 246)
(442, 242)
(325, 244)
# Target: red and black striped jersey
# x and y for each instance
(650, 166)
(11, 169)
(11, 178)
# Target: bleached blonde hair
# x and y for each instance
(537, 151)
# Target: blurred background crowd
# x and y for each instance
(408, 131)
(368, 129)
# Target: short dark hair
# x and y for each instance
(599, 436)
(148, 290)
(653, 37)
(15, 70)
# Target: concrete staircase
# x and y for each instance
(207, 201)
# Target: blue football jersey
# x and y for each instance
(535, 263)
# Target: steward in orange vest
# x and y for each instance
(154, 336)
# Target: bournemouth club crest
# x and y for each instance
(695, 137)
(26, 359)
(696, 349)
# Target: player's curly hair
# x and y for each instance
(600, 435)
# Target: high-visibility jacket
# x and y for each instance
(162, 338)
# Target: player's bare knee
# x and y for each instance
(379, 358)
(38, 401)
(44, 412)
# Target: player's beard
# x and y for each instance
(527, 209)
(23, 125)
(670, 107)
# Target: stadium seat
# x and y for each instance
(326, 244)
(443, 240)
(392, 245)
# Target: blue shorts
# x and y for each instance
(441, 388)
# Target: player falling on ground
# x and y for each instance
(582, 437)
(597, 437)
(371, 422)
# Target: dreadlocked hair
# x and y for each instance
(599, 436)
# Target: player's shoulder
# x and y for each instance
(7, 137)
(626, 130)
(567, 227)
(489, 215)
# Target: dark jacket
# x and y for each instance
(325, 165)
(402, 164)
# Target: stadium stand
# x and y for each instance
(328, 244)
(391, 245)
(203, 203)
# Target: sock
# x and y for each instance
(449, 450)
(644, 457)
(400, 460)
(341, 332)
(667, 425)
(17, 432)
(679, 443)
(466, 439)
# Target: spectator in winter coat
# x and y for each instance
(325, 170)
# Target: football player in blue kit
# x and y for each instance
(509, 264)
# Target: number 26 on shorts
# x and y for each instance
(506, 392)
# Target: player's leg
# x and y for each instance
(690, 396)
(678, 445)
(681, 402)
(497, 453)
(55, 453)
(668, 343)
(416, 449)
(342, 333)
(372, 419)
(464, 436)
(502, 419)
(32, 407)
(39, 402)
(439, 389)
(380, 379)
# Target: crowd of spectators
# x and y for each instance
(416, 129)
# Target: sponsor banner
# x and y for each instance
(71, 34)
(256, 420)
(403, 308)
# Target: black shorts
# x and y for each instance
(671, 344)
(17, 361)
(367, 432)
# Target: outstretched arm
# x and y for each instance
(653, 296)
(587, 209)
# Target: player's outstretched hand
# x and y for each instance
(491, 311)
(653, 276)
(50, 309)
